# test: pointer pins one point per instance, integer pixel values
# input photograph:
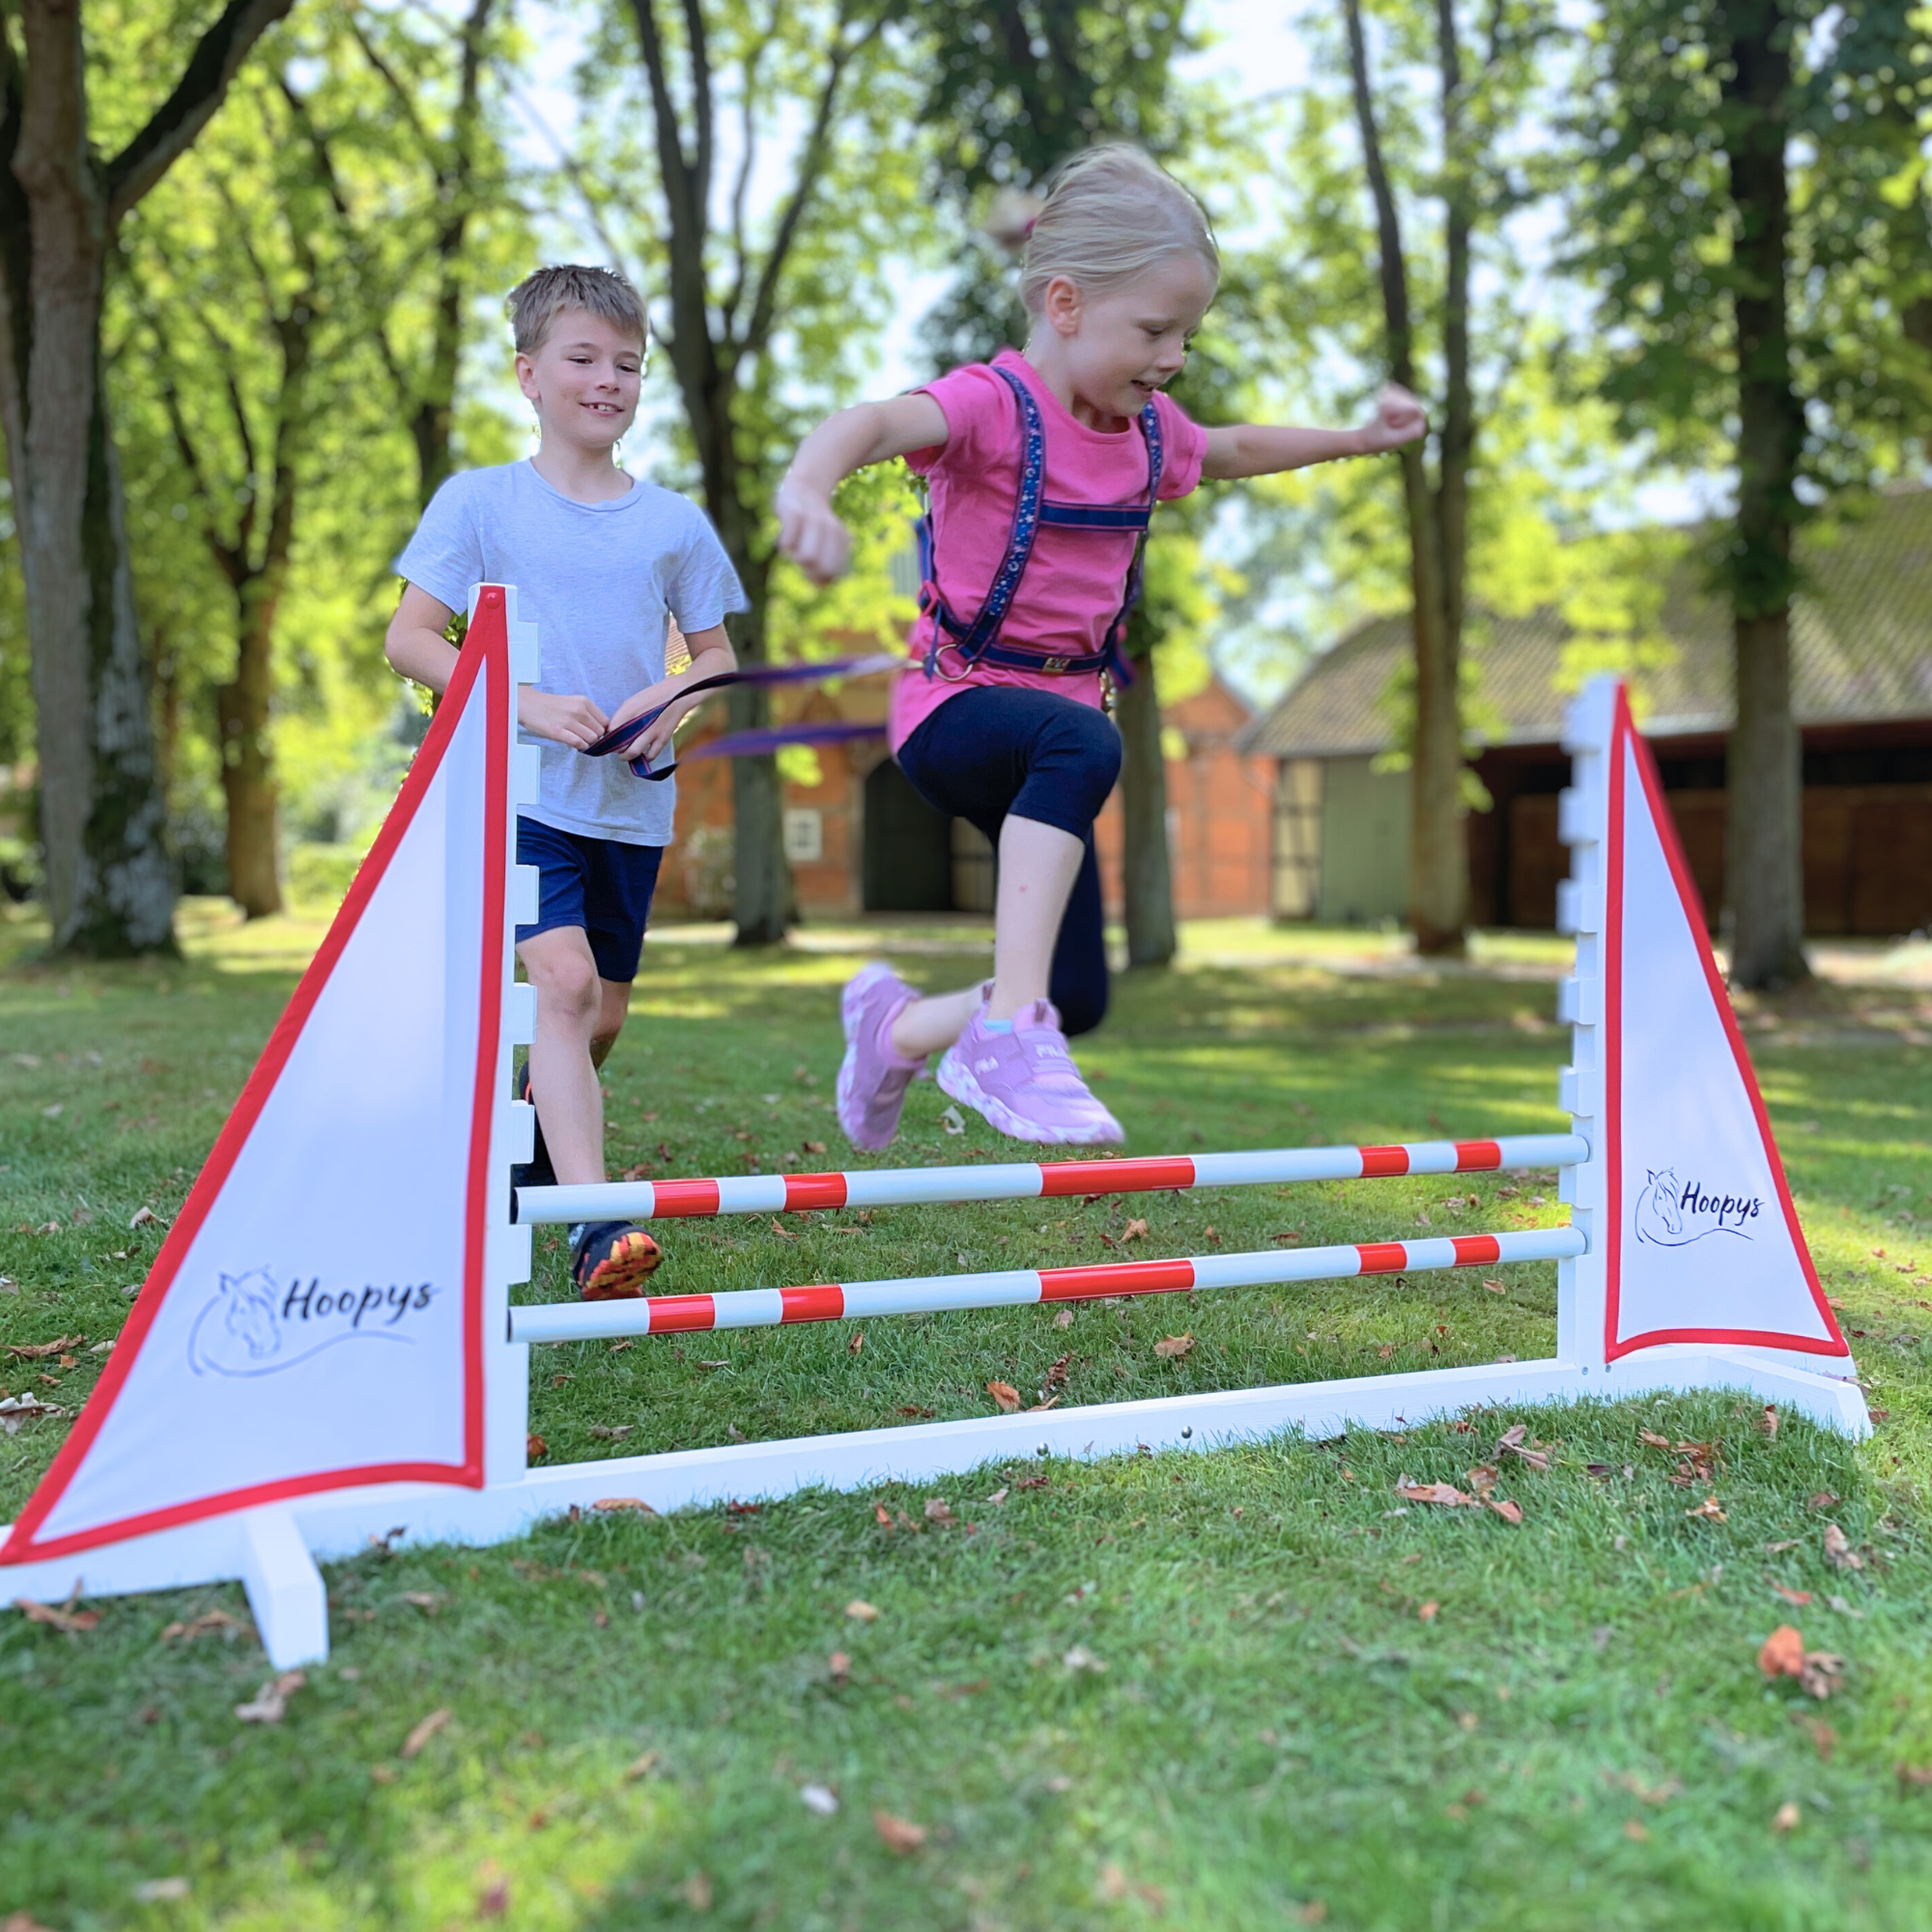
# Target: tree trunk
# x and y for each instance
(763, 902)
(434, 417)
(1438, 852)
(1764, 774)
(1439, 890)
(247, 768)
(1145, 867)
(110, 881)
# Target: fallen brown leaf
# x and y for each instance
(607, 1433)
(38, 1351)
(938, 1510)
(1428, 1611)
(426, 1600)
(1172, 1348)
(857, 1342)
(1135, 1230)
(425, 1730)
(202, 1626)
(1790, 1596)
(74, 1621)
(1707, 1511)
(1509, 1512)
(1446, 1493)
(1768, 1421)
(641, 1766)
(1636, 1830)
(1314, 1913)
(611, 1504)
(270, 1702)
(899, 1835)
(1783, 1652)
(839, 1667)
(1838, 1550)
(861, 1611)
(782, 1232)
(1821, 1674)
(1007, 1396)
(1823, 1500)
(1052, 1402)
(1785, 1817)
(535, 1447)
(1654, 1440)
(1823, 1737)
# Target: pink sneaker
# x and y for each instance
(1024, 1081)
(873, 1079)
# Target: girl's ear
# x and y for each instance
(1060, 305)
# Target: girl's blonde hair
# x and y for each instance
(1109, 215)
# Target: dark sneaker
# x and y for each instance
(610, 1260)
(536, 1172)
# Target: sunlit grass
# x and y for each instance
(1277, 1727)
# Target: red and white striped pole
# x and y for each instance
(1021, 1288)
(1029, 1181)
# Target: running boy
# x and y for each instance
(600, 560)
(1044, 468)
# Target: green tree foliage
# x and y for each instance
(784, 200)
(1017, 86)
(93, 112)
(1753, 221)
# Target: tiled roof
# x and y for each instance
(1861, 640)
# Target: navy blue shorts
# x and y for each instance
(594, 883)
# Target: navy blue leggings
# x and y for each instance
(997, 748)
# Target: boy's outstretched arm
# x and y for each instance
(711, 656)
(1255, 449)
(809, 531)
(416, 648)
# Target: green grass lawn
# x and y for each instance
(1226, 1690)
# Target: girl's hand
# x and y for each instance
(811, 533)
(1399, 420)
(575, 721)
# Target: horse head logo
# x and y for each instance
(249, 1312)
(1659, 1217)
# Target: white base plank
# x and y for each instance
(285, 1589)
(258, 1545)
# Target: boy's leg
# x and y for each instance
(563, 1076)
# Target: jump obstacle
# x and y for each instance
(299, 1375)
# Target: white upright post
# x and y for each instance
(1583, 825)
(507, 1364)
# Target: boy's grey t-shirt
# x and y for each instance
(597, 580)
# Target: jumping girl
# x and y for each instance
(1042, 468)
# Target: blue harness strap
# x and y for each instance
(978, 642)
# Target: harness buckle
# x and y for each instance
(1055, 665)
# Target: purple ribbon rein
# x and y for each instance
(767, 738)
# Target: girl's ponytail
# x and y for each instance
(1109, 215)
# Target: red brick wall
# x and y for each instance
(1219, 802)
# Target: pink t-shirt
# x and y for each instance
(1075, 579)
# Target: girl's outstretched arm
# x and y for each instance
(809, 531)
(1252, 450)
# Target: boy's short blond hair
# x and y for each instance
(539, 298)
